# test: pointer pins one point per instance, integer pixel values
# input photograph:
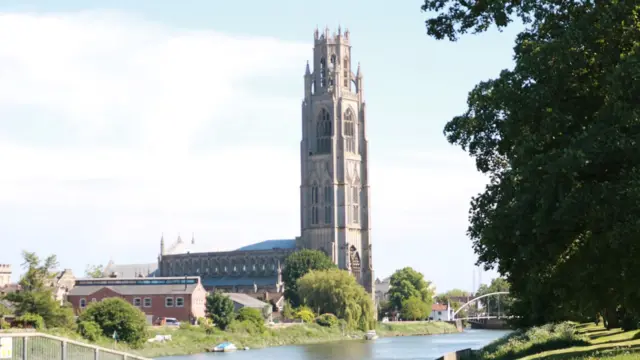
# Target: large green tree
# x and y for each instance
(297, 265)
(116, 317)
(408, 283)
(337, 292)
(558, 137)
(36, 294)
(219, 308)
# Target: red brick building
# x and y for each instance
(182, 298)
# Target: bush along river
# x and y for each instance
(404, 347)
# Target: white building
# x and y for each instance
(441, 312)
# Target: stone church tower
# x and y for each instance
(334, 154)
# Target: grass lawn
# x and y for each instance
(613, 344)
(566, 342)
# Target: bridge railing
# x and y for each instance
(38, 346)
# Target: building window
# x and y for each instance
(83, 303)
(147, 302)
(328, 194)
(323, 132)
(314, 215)
(94, 300)
(327, 214)
(349, 131)
(355, 201)
(137, 302)
(179, 302)
(168, 302)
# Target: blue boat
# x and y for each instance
(225, 347)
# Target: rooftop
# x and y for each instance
(246, 300)
(270, 245)
(137, 286)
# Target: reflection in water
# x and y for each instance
(400, 348)
(354, 349)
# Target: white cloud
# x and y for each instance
(113, 130)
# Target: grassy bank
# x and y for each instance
(193, 339)
(565, 341)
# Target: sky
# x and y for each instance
(124, 120)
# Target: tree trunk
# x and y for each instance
(611, 317)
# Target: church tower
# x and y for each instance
(334, 191)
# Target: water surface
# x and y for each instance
(402, 348)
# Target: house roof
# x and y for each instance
(438, 307)
(239, 281)
(246, 300)
(270, 245)
(137, 286)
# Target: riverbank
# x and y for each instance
(566, 341)
(193, 339)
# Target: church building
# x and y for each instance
(334, 191)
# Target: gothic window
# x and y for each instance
(314, 194)
(331, 69)
(328, 198)
(323, 133)
(355, 204)
(323, 72)
(315, 197)
(349, 131)
(354, 259)
(314, 215)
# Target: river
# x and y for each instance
(401, 348)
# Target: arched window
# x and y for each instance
(315, 200)
(354, 259)
(323, 72)
(328, 200)
(349, 131)
(323, 132)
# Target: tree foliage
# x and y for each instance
(558, 137)
(36, 295)
(498, 304)
(414, 309)
(220, 309)
(253, 316)
(115, 315)
(337, 292)
(94, 271)
(297, 265)
(408, 283)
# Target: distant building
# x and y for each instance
(245, 301)
(381, 288)
(62, 283)
(182, 298)
(441, 312)
(5, 275)
(129, 271)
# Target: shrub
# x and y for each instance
(115, 315)
(246, 327)
(253, 316)
(89, 330)
(305, 314)
(29, 320)
(327, 320)
(220, 309)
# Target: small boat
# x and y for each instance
(225, 347)
(371, 335)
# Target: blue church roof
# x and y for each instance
(270, 245)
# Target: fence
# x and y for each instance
(38, 346)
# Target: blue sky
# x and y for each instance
(123, 120)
